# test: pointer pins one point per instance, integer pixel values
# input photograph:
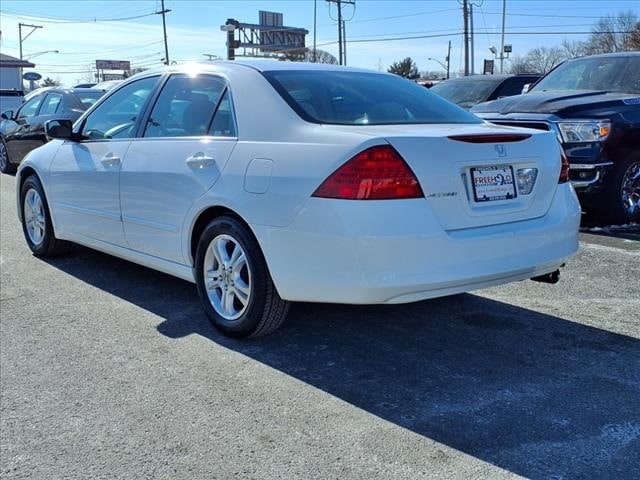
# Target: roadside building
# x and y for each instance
(10, 72)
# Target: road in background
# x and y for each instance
(110, 370)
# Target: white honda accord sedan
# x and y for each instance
(270, 182)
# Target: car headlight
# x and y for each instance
(584, 131)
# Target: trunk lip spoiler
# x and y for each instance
(490, 137)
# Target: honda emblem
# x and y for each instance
(501, 150)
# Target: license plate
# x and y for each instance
(492, 183)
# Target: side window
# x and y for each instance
(51, 104)
(223, 124)
(116, 116)
(28, 110)
(511, 86)
(185, 106)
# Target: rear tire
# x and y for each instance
(36, 221)
(234, 283)
(5, 165)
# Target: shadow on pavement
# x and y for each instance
(594, 226)
(535, 394)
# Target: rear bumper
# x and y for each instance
(396, 252)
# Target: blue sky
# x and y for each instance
(81, 30)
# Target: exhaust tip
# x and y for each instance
(553, 277)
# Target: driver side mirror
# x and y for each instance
(62, 129)
(6, 115)
(525, 88)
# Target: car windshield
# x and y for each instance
(611, 74)
(361, 98)
(467, 92)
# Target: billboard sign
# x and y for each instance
(488, 67)
(113, 65)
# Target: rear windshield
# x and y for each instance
(87, 99)
(610, 74)
(360, 98)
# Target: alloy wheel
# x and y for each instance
(227, 277)
(630, 189)
(34, 216)
(4, 158)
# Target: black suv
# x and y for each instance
(593, 105)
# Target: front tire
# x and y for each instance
(234, 283)
(36, 221)
(5, 165)
(622, 193)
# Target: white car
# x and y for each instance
(270, 182)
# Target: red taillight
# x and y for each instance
(377, 173)
(564, 168)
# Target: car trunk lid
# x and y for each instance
(470, 173)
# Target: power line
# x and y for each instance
(96, 53)
(93, 20)
(458, 32)
(379, 19)
(543, 16)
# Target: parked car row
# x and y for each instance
(605, 169)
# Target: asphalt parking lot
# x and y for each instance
(110, 370)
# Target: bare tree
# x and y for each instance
(612, 33)
(573, 48)
(634, 40)
(309, 55)
(520, 64)
(543, 59)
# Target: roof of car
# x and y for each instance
(614, 54)
(259, 65)
(496, 77)
(70, 90)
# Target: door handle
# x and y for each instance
(110, 160)
(200, 160)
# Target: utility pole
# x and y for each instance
(473, 52)
(33, 29)
(338, 2)
(164, 29)
(465, 13)
(448, 59)
(342, 42)
(504, 8)
(315, 23)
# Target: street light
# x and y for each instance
(36, 54)
(506, 50)
(446, 67)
